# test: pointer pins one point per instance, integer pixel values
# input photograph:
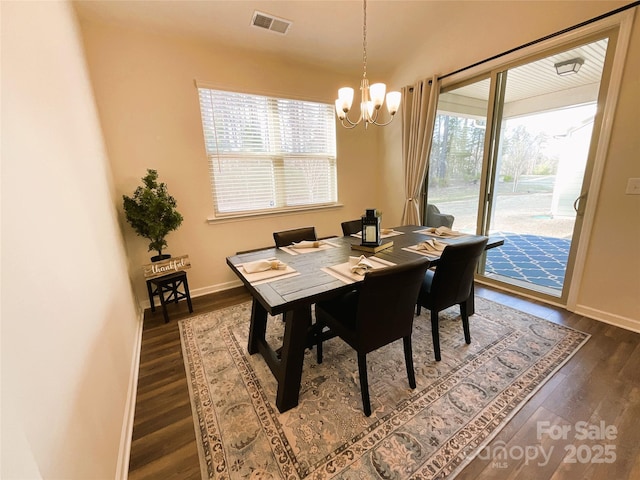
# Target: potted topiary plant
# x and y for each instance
(152, 213)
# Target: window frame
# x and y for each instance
(277, 159)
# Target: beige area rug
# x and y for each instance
(460, 403)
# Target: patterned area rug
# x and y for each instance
(531, 258)
(460, 404)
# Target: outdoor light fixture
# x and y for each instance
(569, 67)
(371, 97)
(371, 228)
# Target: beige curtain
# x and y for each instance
(418, 118)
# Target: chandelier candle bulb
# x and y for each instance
(393, 102)
(377, 91)
(345, 99)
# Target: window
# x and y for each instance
(268, 154)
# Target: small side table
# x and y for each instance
(169, 285)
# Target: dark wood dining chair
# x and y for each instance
(285, 238)
(379, 313)
(451, 283)
(352, 226)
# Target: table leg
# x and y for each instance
(258, 327)
(293, 346)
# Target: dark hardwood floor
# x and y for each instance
(599, 386)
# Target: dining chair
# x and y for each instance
(451, 283)
(351, 226)
(285, 238)
(377, 314)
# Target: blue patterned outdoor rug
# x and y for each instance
(431, 432)
(530, 258)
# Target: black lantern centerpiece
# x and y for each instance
(371, 229)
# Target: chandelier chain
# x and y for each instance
(364, 40)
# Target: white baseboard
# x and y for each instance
(215, 288)
(201, 291)
(610, 318)
(124, 453)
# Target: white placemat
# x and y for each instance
(343, 272)
(435, 232)
(392, 233)
(268, 275)
(297, 251)
(414, 249)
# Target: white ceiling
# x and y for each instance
(329, 32)
(323, 32)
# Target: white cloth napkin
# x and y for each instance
(360, 265)
(263, 266)
(432, 246)
(307, 244)
(442, 232)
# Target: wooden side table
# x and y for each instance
(169, 285)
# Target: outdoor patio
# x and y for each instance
(530, 258)
(536, 247)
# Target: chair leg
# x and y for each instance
(435, 334)
(465, 322)
(408, 360)
(364, 383)
(418, 308)
(186, 292)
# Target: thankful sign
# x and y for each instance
(165, 267)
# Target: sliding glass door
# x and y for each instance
(457, 152)
(511, 157)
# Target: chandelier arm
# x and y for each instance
(374, 119)
(349, 127)
(383, 124)
(349, 121)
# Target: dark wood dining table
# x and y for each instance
(293, 296)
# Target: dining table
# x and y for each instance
(308, 273)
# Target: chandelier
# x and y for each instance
(371, 97)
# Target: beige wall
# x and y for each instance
(69, 321)
(610, 285)
(148, 104)
(144, 89)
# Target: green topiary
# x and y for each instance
(152, 211)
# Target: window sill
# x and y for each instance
(279, 213)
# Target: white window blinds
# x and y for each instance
(268, 153)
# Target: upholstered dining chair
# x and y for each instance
(379, 313)
(451, 283)
(351, 226)
(287, 237)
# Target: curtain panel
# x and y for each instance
(418, 118)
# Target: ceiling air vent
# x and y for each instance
(269, 22)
